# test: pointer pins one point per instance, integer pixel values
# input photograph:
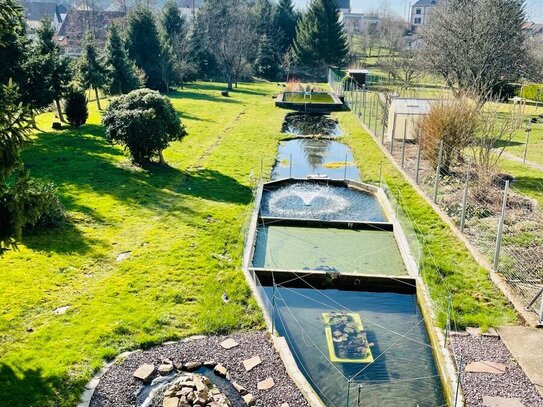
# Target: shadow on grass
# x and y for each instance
(507, 143)
(31, 388)
(215, 186)
(187, 93)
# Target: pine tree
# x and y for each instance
(122, 74)
(76, 107)
(264, 18)
(92, 72)
(266, 65)
(144, 45)
(172, 22)
(285, 18)
(320, 39)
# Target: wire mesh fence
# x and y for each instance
(504, 224)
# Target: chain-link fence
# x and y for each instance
(504, 224)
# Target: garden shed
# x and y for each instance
(403, 116)
(360, 76)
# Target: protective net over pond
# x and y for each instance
(322, 202)
(301, 158)
(403, 371)
(367, 252)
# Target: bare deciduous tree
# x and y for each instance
(229, 28)
(478, 44)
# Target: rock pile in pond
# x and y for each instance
(193, 389)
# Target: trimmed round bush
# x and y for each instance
(144, 122)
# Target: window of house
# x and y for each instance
(418, 20)
(418, 11)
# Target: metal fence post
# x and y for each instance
(528, 130)
(392, 134)
(348, 392)
(385, 114)
(290, 169)
(364, 106)
(376, 112)
(419, 150)
(438, 170)
(465, 197)
(458, 380)
(500, 227)
(381, 175)
(370, 113)
(404, 139)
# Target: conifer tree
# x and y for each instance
(144, 45)
(171, 21)
(320, 39)
(285, 18)
(266, 64)
(91, 70)
(123, 77)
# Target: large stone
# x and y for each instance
(171, 402)
(220, 370)
(229, 343)
(249, 399)
(501, 402)
(266, 384)
(210, 364)
(250, 364)
(190, 366)
(165, 369)
(484, 366)
(285, 405)
(61, 310)
(123, 256)
(491, 333)
(144, 372)
(241, 390)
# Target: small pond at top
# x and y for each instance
(322, 202)
(300, 158)
(403, 373)
(313, 97)
(307, 124)
(367, 252)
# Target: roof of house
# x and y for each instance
(38, 10)
(425, 3)
(78, 22)
(409, 106)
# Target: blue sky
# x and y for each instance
(534, 7)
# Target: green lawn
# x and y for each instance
(183, 223)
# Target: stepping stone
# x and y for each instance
(171, 402)
(61, 310)
(473, 331)
(285, 405)
(190, 366)
(229, 343)
(458, 333)
(165, 369)
(123, 256)
(144, 372)
(501, 402)
(250, 364)
(485, 367)
(265, 384)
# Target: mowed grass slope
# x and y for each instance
(183, 224)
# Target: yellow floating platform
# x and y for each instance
(346, 338)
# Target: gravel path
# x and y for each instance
(512, 384)
(117, 386)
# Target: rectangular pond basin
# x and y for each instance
(309, 102)
(300, 158)
(367, 252)
(401, 370)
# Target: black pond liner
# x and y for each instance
(161, 383)
(310, 124)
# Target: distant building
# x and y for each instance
(420, 12)
(36, 11)
(76, 24)
(356, 22)
(533, 29)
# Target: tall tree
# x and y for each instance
(91, 70)
(230, 35)
(285, 20)
(144, 45)
(171, 21)
(320, 39)
(122, 73)
(267, 57)
(475, 45)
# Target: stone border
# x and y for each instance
(90, 387)
(310, 107)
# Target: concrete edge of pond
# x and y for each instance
(310, 107)
(443, 358)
